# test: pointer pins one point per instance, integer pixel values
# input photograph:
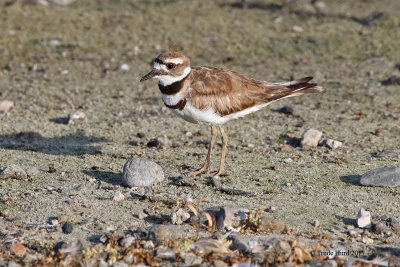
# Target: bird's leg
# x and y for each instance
(223, 152)
(206, 166)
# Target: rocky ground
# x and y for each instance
(72, 112)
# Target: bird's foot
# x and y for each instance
(198, 172)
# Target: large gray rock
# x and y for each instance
(141, 173)
(386, 176)
(13, 171)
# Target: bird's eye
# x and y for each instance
(170, 66)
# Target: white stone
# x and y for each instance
(54, 42)
(330, 143)
(180, 216)
(127, 241)
(77, 115)
(287, 160)
(310, 138)
(125, 67)
(118, 196)
(6, 105)
(363, 219)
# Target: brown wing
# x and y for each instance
(229, 92)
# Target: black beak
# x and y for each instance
(149, 75)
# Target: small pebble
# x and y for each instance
(310, 138)
(176, 144)
(77, 115)
(124, 67)
(192, 259)
(148, 244)
(320, 7)
(141, 172)
(165, 253)
(67, 228)
(316, 223)
(215, 181)
(53, 221)
(127, 241)
(6, 105)
(164, 141)
(287, 160)
(363, 219)
(180, 216)
(118, 196)
(153, 143)
(54, 42)
(129, 259)
(5, 213)
(367, 240)
(352, 233)
(330, 143)
(271, 209)
(18, 249)
(297, 29)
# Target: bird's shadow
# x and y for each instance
(75, 144)
(351, 179)
(112, 178)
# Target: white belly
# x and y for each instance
(210, 116)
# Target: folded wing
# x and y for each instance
(229, 92)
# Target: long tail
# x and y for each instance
(302, 86)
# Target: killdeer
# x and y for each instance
(215, 96)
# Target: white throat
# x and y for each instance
(166, 80)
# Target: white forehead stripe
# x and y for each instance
(159, 66)
(174, 60)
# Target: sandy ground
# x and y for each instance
(56, 60)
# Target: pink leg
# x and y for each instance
(223, 152)
(206, 166)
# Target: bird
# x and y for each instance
(214, 96)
